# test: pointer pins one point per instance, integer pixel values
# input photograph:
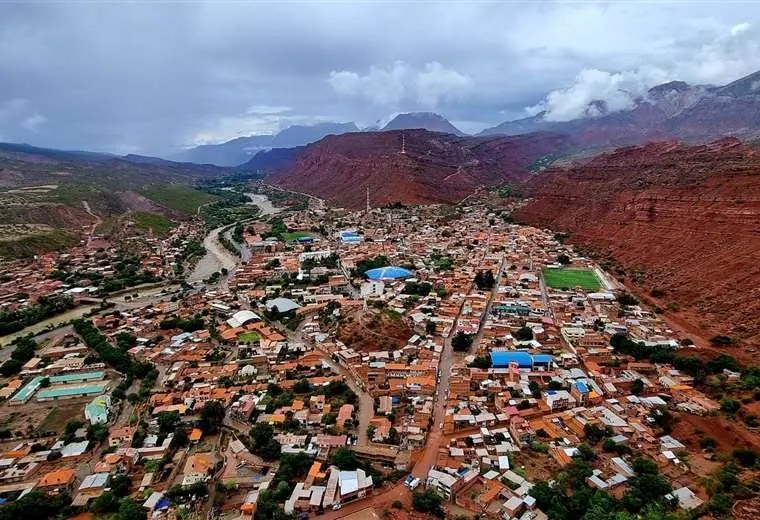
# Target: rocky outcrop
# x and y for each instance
(412, 166)
(684, 220)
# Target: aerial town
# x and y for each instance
(391, 362)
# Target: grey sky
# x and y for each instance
(148, 77)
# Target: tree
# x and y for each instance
(271, 450)
(535, 389)
(344, 458)
(430, 327)
(627, 299)
(594, 433)
(130, 510)
(461, 342)
(586, 452)
(482, 362)
(729, 405)
(167, 421)
(524, 333)
(120, 485)
(563, 259)
(302, 386)
(180, 438)
(212, 416)
(637, 387)
(484, 280)
(428, 501)
(105, 503)
(644, 466)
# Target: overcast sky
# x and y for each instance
(149, 77)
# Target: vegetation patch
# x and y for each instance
(569, 278)
(31, 240)
(158, 224)
(292, 236)
(179, 197)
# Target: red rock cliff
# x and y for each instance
(434, 167)
(682, 219)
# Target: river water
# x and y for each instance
(217, 256)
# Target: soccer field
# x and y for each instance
(569, 278)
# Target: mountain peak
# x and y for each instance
(422, 120)
(748, 85)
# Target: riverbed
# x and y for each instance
(217, 256)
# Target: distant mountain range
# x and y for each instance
(693, 113)
(241, 150)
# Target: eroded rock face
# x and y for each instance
(684, 219)
(434, 167)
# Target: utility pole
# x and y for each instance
(368, 199)
(403, 143)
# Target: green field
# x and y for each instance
(249, 337)
(159, 224)
(569, 278)
(292, 236)
(179, 197)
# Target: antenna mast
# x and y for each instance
(403, 143)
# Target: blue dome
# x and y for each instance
(388, 273)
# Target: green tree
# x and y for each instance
(130, 510)
(637, 387)
(212, 416)
(428, 501)
(461, 342)
(535, 389)
(344, 458)
(524, 333)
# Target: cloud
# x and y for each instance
(251, 123)
(729, 56)
(382, 86)
(393, 85)
(437, 83)
(206, 70)
(267, 109)
(34, 122)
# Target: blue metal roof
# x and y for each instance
(582, 388)
(389, 272)
(503, 359)
(523, 359)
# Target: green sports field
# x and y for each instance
(292, 236)
(569, 278)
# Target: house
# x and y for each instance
(686, 498)
(91, 487)
(98, 409)
(351, 484)
(559, 400)
(198, 468)
(444, 483)
(344, 414)
(62, 480)
(520, 430)
(120, 436)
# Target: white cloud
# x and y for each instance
(380, 86)
(437, 83)
(34, 122)
(267, 109)
(729, 56)
(393, 85)
(244, 125)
